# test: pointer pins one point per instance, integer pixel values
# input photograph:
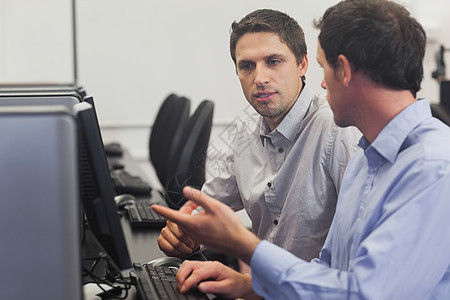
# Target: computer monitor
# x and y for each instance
(41, 94)
(26, 100)
(42, 88)
(40, 255)
(96, 188)
(31, 85)
(90, 99)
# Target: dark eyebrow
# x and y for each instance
(274, 56)
(268, 57)
(245, 61)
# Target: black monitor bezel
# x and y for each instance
(101, 212)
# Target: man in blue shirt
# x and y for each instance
(389, 238)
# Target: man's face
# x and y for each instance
(337, 100)
(269, 74)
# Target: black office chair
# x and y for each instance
(166, 133)
(440, 113)
(187, 165)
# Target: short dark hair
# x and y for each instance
(379, 38)
(269, 20)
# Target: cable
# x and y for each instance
(113, 277)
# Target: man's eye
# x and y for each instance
(245, 67)
(274, 62)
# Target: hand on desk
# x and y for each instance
(215, 278)
(173, 241)
(216, 226)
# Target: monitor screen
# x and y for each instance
(96, 188)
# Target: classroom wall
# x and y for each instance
(35, 41)
(133, 53)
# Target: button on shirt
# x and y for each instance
(390, 237)
(286, 179)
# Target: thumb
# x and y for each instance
(188, 207)
(213, 287)
(199, 198)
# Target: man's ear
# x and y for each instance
(344, 69)
(303, 66)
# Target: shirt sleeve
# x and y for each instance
(403, 256)
(278, 274)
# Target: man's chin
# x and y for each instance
(342, 123)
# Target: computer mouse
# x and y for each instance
(123, 200)
(173, 262)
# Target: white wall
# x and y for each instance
(35, 41)
(132, 53)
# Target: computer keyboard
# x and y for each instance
(141, 214)
(125, 183)
(158, 282)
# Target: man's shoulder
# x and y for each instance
(320, 115)
(320, 112)
(320, 109)
(432, 139)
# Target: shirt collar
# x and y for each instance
(389, 141)
(290, 125)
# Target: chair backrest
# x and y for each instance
(187, 165)
(166, 132)
(440, 113)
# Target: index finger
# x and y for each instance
(183, 272)
(176, 216)
(191, 273)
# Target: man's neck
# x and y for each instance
(381, 105)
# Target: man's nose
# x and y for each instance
(261, 75)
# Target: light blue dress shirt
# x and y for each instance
(390, 237)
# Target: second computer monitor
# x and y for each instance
(96, 189)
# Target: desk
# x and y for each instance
(142, 242)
